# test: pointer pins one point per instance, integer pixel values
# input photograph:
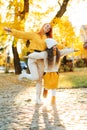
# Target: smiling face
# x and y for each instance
(47, 30)
(46, 27)
(54, 48)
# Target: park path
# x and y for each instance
(18, 110)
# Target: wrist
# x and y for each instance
(7, 29)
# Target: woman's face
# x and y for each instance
(46, 27)
(54, 48)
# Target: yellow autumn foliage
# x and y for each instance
(65, 35)
(63, 31)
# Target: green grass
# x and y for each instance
(75, 79)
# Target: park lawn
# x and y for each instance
(75, 79)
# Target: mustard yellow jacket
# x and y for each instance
(36, 41)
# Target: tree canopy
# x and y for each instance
(31, 14)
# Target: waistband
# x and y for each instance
(33, 51)
(37, 50)
(50, 72)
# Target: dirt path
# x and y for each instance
(18, 110)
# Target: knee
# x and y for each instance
(36, 77)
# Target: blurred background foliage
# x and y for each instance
(31, 15)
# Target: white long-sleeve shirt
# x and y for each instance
(43, 55)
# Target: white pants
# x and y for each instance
(36, 68)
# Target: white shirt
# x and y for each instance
(43, 55)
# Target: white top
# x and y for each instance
(43, 55)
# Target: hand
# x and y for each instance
(25, 57)
(76, 50)
(7, 29)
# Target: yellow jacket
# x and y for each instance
(36, 41)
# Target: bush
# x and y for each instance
(66, 67)
(80, 63)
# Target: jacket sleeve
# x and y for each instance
(66, 51)
(38, 55)
(22, 34)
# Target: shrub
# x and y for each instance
(80, 63)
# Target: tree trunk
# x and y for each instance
(25, 10)
(62, 8)
(16, 60)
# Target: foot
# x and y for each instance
(45, 92)
(22, 75)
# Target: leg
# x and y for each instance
(36, 68)
(53, 99)
(34, 75)
(45, 92)
(40, 64)
(38, 91)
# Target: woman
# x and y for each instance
(37, 44)
(51, 58)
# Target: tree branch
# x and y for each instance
(62, 9)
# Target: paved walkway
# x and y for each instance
(19, 112)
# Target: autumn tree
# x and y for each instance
(18, 13)
(21, 15)
(21, 8)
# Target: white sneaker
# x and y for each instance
(22, 75)
(23, 71)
